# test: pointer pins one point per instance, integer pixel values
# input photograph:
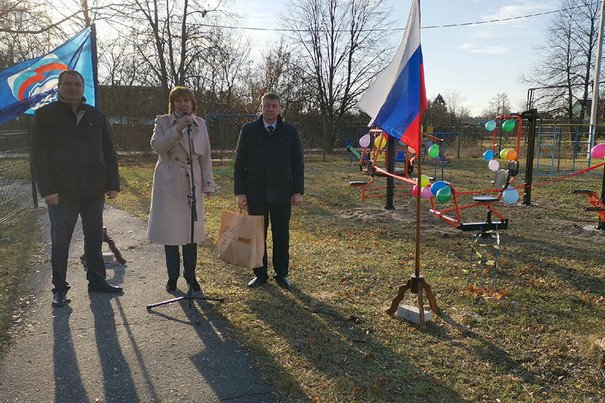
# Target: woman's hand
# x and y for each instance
(183, 122)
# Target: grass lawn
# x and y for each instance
(19, 243)
(536, 338)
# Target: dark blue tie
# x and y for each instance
(270, 129)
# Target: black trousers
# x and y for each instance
(63, 218)
(278, 214)
(173, 261)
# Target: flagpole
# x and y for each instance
(93, 51)
(419, 188)
(417, 279)
(418, 202)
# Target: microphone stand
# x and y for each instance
(190, 297)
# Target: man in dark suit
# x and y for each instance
(75, 166)
(268, 179)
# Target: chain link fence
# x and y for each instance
(16, 191)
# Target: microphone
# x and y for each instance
(190, 125)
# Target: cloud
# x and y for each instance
(518, 10)
(479, 48)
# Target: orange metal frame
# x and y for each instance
(451, 215)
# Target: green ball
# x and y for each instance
(509, 125)
(444, 194)
(433, 151)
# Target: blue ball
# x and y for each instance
(435, 187)
(510, 195)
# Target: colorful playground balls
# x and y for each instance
(493, 165)
(444, 194)
(424, 180)
(490, 125)
(425, 193)
(380, 141)
(364, 141)
(509, 125)
(598, 151)
(435, 187)
(433, 151)
(511, 155)
(510, 195)
(488, 155)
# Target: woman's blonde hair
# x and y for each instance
(181, 92)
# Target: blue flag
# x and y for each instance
(32, 84)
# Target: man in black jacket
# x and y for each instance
(268, 179)
(75, 165)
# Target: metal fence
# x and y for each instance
(15, 174)
(564, 147)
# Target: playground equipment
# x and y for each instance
(561, 147)
(504, 162)
(594, 200)
(379, 152)
(501, 183)
(375, 153)
(483, 260)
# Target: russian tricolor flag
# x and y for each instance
(397, 98)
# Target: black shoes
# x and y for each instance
(105, 287)
(256, 281)
(171, 285)
(59, 299)
(283, 282)
(194, 285)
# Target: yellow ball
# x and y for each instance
(380, 142)
(424, 181)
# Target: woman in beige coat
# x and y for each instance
(170, 212)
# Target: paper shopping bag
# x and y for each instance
(241, 239)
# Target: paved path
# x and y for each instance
(109, 348)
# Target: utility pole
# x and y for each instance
(594, 110)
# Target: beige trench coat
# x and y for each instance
(170, 212)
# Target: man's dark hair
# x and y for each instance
(70, 72)
(272, 96)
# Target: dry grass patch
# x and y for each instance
(330, 339)
(19, 243)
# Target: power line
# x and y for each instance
(461, 24)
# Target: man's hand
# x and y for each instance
(242, 202)
(111, 194)
(296, 199)
(52, 200)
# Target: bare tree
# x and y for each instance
(171, 36)
(281, 71)
(343, 46)
(454, 101)
(567, 60)
(499, 105)
(222, 68)
(19, 20)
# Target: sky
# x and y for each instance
(477, 61)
